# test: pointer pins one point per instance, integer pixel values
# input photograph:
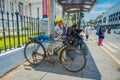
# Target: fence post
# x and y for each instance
(3, 30)
(30, 24)
(13, 28)
(9, 30)
(18, 32)
(22, 28)
(27, 27)
(38, 26)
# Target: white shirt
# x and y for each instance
(58, 34)
(58, 31)
(87, 30)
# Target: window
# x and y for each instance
(104, 20)
(115, 18)
(119, 17)
(2, 5)
(116, 13)
(11, 7)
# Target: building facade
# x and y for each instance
(24, 7)
(112, 16)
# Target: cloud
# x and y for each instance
(93, 14)
(97, 10)
(103, 6)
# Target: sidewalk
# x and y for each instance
(99, 67)
(111, 45)
(56, 72)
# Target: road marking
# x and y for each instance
(109, 48)
(113, 45)
(118, 44)
(113, 57)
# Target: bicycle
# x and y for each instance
(82, 45)
(70, 57)
(80, 42)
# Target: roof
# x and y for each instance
(72, 6)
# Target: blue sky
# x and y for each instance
(100, 7)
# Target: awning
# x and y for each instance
(72, 6)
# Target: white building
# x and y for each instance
(112, 16)
(24, 7)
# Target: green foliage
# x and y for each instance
(82, 15)
(25, 28)
(91, 22)
(22, 37)
(1, 37)
(74, 17)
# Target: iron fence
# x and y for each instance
(15, 30)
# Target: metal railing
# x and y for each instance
(15, 30)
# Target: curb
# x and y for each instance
(115, 59)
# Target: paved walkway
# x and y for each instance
(99, 67)
(57, 72)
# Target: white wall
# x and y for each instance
(34, 7)
(113, 9)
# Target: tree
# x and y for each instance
(74, 17)
(90, 22)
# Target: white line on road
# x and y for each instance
(113, 57)
(113, 45)
(109, 48)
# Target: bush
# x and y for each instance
(25, 28)
(1, 37)
(2, 48)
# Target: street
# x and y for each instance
(100, 66)
(111, 45)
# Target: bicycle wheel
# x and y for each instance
(73, 59)
(84, 48)
(34, 52)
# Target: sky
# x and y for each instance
(100, 7)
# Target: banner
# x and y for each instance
(46, 8)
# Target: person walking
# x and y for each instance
(87, 32)
(101, 36)
(109, 30)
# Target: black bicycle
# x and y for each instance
(80, 42)
(72, 58)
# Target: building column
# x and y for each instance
(52, 16)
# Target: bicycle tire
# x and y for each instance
(67, 61)
(84, 48)
(34, 57)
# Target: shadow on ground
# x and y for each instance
(90, 71)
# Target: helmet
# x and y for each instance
(57, 19)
